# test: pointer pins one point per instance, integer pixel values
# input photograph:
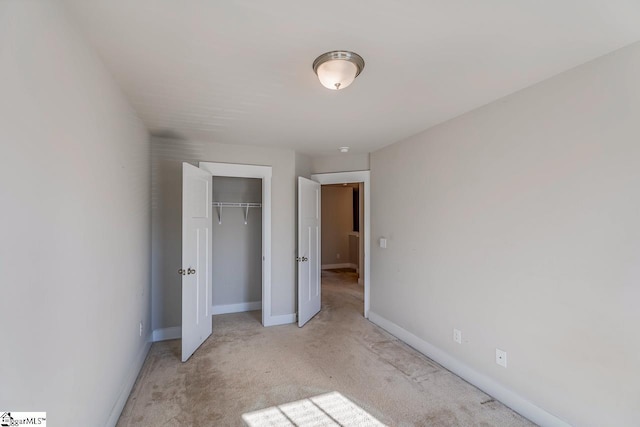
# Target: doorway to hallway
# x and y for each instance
(340, 288)
(342, 218)
(362, 179)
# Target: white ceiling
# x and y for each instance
(240, 72)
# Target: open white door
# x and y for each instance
(196, 258)
(309, 297)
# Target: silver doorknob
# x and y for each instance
(191, 271)
(181, 272)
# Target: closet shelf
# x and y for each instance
(246, 207)
(236, 205)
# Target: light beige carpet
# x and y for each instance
(243, 368)
(326, 410)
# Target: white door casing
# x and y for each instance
(263, 173)
(364, 177)
(196, 258)
(309, 292)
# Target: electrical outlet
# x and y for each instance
(457, 336)
(501, 357)
(141, 328)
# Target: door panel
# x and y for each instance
(309, 292)
(196, 258)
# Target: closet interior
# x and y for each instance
(237, 244)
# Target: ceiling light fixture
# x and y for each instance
(344, 149)
(338, 69)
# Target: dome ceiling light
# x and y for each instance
(338, 69)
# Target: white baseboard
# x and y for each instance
(343, 265)
(483, 382)
(175, 332)
(164, 334)
(130, 380)
(236, 308)
(283, 319)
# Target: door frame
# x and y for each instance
(365, 178)
(263, 172)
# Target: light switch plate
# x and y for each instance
(383, 243)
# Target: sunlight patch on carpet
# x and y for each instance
(330, 409)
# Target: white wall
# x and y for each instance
(303, 165)
(518, 224)
(167, 157)
(75, 224)
(343, 162)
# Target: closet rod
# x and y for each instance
(236, 205)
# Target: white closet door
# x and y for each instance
(309, 295)
(196, 258)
